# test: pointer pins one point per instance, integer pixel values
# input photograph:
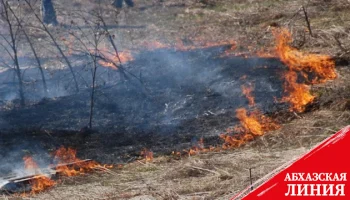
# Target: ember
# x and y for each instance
(111, 60)
(147, 155)
(247, 91)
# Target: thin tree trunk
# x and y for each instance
(15, 55)
(93, 87)
(56, 45)
(307, 21)
(120, 67)
(33, 50)
(39, 63)
(20, 82)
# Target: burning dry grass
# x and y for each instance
(40, 183)
(251, 126)
(112, 60)
(66, 164)
(211, 175)
(314, 68)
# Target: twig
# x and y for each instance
(340, 116)
(207, 170)
(47, 31)
(226, 172)
(197, 194)
(131, 159)
(307, 20)
(298, 116)
(106, 170)
(141, 162)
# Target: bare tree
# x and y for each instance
(89, 42)
(19, 23)
(13, 31)
(93, 56)
(47, 31)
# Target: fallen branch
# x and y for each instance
(207, 170)
(104, 169)
(307, 21)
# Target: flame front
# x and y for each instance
(298, 94)
(64, 156)
(313, 68)
(251, 125)
(40, 183)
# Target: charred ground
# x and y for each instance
(178, 98)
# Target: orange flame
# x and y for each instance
(148, 155)
(68, 155)
(68, 165)
(313, 67)
(298, 94)
(252, 125)
(111, 60)
(322, 66)
(40, 183)
(196, 148)
(247, 91)
(153, 45)
(30, 164)
(235, 140)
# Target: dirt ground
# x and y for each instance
(220, 175)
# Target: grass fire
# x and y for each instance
(168, 99)
(39, 179)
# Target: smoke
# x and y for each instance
(167, 87)
(3, 182)
(11, 157)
